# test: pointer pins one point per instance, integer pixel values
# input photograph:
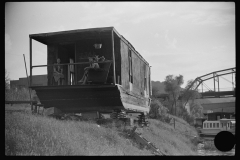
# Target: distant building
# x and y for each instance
(211, 105)
(219, 115)
(37, 80)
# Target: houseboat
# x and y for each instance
(212, 128)
(122, 81)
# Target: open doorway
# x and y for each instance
(65, 52)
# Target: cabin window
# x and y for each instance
(222, 125)
(210, 125)
(204, 125)
(207, 125)
(130, 66)
(213, 125)
(217, 125)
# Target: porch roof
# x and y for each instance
(71, 35)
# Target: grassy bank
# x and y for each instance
(27, 134)
(169, 140)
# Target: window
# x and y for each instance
(213, 125)
(204, 125)
(210, 125)
(207, 125)
(217, 125)
(130, 66)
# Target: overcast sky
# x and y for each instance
(187, 38)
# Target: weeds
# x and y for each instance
(27, 134)
(209, 145)
(20, 94)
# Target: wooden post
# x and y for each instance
(131, 121)
(132, 131)
(75, 66)
(30, 56)
(113, 58)
(30, 51)
(174, 122)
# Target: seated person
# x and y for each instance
(58, 73)
(93, 64)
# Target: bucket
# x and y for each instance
(97, 46)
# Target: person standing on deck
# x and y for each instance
(58, 73)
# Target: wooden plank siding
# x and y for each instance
(140, 70)
(147, 81)
(124, 66)
(142, 75)
(150, 82)
(136, 74)
(117, 59)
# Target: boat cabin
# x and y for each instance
(222, 124)
(219, 115)
(122, 79)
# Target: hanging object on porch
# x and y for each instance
(98, 45)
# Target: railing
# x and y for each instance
(67, 78)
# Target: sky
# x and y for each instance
(176, 38)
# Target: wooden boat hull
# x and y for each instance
(210, 131)
(90, 98)
(214, 132)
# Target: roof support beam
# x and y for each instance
(30, 52)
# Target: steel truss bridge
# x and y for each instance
(216, 93)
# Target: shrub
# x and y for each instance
(20, 94)
(158, 111)
(209, 145)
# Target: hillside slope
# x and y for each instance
(27, 134)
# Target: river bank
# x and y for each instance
(207, 148)
(27, 134)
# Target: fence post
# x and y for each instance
(174, 122)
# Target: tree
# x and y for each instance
(196, 109)
(157, 88)
(157, 110)
(188, 93)
(173, 88)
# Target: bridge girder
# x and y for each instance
(205, 77)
